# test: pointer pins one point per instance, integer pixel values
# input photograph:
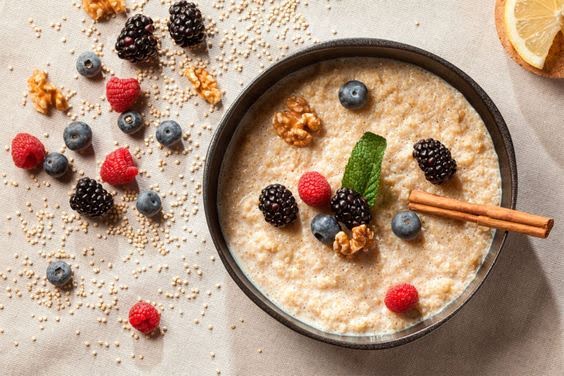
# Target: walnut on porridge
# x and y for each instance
(204, 84)
(100, 9)
(362, 238)
(296, 125)
(44, 95)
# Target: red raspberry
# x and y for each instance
(144, 317)
(401, 298)
(118, 168)
(122, 93)
(314, 189)
(27, 151)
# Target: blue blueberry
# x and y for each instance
(353, 95)
(77, 136)
(148, 203)
(169, 133)
(88, 64)
(325, 228)
(59, 273)
(130, 122)
(406, 225)
(55, 164)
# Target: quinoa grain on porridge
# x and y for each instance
(306, 277)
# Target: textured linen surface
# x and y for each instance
(513, 326)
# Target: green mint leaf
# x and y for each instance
(362, 173)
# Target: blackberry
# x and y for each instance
(435, 160)
(350, 208)
(186, 25)
(90, 198)
(136, 42)
(278, 205)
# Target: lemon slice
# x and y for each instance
(532, 26)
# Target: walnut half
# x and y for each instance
(204, 84)
(296, 124)
(100, 9)
(44, 95)
(362, 238)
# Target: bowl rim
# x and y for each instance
(217, 151)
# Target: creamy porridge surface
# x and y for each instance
(307, 278)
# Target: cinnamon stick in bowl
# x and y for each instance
(484, 215)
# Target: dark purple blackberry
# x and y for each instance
(435, 160)
(278, 205)
(350, 208)
(185, 24)
(90, 198)
(136, 42)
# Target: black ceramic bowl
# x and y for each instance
(358, 48)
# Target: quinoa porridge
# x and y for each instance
(307, 278)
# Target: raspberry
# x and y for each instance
(122, 93)
(401, 298)
(118, 168)
(27, 151)
(314, 189)
(144, 317)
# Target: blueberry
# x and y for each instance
(169, 133)
(77, 136)
(88, 64)
(353, 95)
(55, 164)
(406, 225)
(325, 228)
(148, 203)
(59, 273)
(130, 122)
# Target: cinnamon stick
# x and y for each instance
(538, 232)
(485, 215)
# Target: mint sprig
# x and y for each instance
(362, 173)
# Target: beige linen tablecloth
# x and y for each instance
(513, 326)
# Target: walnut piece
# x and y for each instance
(296, 124)
(100, 9)
(204, 84)
(362, 237)
(44, 95)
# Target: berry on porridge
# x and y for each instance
(401, 298)
(325, 228)
(353, 95)
(314, 189)
(278, 205)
